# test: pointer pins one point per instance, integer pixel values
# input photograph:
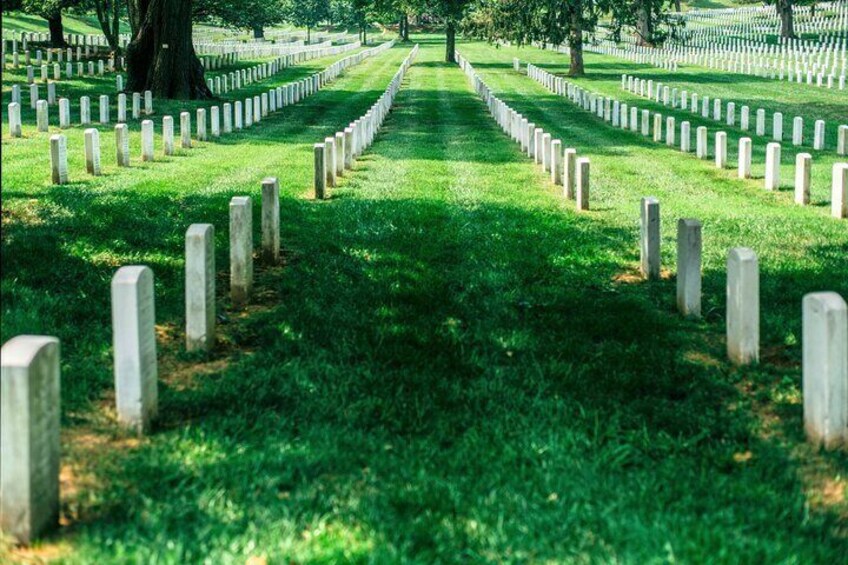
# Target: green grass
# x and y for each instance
(73, 22)
(450, 365)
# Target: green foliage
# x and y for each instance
(242, 14)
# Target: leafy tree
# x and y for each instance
(451, 12)
(50, 10)
(161, 55)
(109, 14)
(254, 15)
(307, 13)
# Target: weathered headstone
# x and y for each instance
(556, 161)
(168, 135)
(41, 116)
(85, 110)
(348, 146)
(772, 181)
(59, 159)
(818, 135)
(147, 140)
(200, 287)
(777, 125)
(215, 121)
(803, 166)
(271, 220)
(569, 173)
(825, 369)
(745, 152)
(29, 433)
(701, 149)
(15, 119)
(104, 109)
(330, 156)
(134, 344)
(721, 149)
(839, 193)
(122, 145)
(649, 238)
(842, 140)
(743, 306)
(241, 249)
(798, 131)
(201, 124)
(185, 130)
(689, 246)
(92, 151)
(582, 183)
(685, 137)
(122, 107)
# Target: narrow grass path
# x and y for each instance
(449, 366)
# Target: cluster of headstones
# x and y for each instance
(234, 116)
(338, 152)
(565, 168)
(684, 100)
(29, 384)
(242, 77)
(256, 49)
(616, 113)
(95, 68)
(42, 113)
(825, 357)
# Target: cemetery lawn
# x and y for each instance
(450, 364)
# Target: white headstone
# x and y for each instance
(29, 433)
(649, 238)
(134, 345)
(92, 151)
(582, 183)
(839, 193)
(104, 109)
(743, 306)
(200, 287)
(185, 130)
(147, 140)
(721, 149)
(745, 151)
(241, 249)
(122, 145)
(15, 119)
(772, 180)
(168, 135)
(701, 149)
(803, 166)
(270, 220)
(689, 267)
(41, 116)
(320, 181)
(59, 159)
(825, 372)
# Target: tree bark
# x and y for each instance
(57, 30)
(787, 23)
(258, 32)
(161, 56)
(108, 15)
(644, 24)
(450, 42)
(677, 5)
(406, 27)
(575, 44)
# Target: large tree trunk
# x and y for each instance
(161, 56)
(645, 24)
(450, 42)
(57, 30)
(677, 5)
(787, 23)
(258, 32)
(405, 27)
(575, 44)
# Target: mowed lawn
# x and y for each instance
(450, 365)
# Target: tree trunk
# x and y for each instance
(575, 44)
(677, 5)
(258, 32)
(108, 15)
(645, 24)
(787, 23)
(308, 35)
(450, 42)
(161, 56)
(57, 30)
(405, 27)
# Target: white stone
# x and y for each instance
(743, 306)
(122, 107)
(122, 145)
(772, 180)
(330, 156)
(215, 121)
(839, 193)
(167, 135)
(147, 140)
(803, 166)
(569, 173)
(85, 110)
(200, 287)
(92, 151)
(825, 369)
(745, 152)
(670, 131)
(104, 109)
(842, 140)
(271, 220)
(29, 434)
(59, 159)
(798, 131)
(134, 346)
(685, 137)
(818, 138)
(241, 249)
(649, 238)
(185, 130)
(582, 183)
(701, 149)
(41, 116)
(689, 267)
(777, 125)
(15, 119)
(556, 161)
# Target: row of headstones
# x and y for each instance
(62, 55)
(338, 152)
(218, 60)
(825, 314)
(94, 40)
(616, 113)
(99, 70)
(36, 358)
(825, 321)
(42, 110)
(29, 385)
(565, 168)
(257, 50)
(236, 115)
(242, 77)
(666, 95)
